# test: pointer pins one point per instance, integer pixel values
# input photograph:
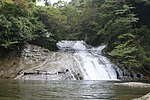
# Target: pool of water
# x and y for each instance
(67, 90)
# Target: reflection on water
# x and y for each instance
(66, 90)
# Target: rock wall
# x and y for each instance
(38, 63)
(9, 67)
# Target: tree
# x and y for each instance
(53, 20)
(18, 26)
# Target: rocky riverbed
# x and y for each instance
(145, 97)
(137, 85)
(134, 84)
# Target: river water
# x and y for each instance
(66, 90)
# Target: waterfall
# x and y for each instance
(92, 63)
(74, 61)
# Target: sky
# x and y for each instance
(53, 1)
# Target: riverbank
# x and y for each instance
(145, 97)
(134, 84)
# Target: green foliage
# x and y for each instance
(72, 29)
(122, 24)
(14, 30)
(144, 37)
(88, 20)
(146, 62)
(53, 20)
(122, 50)
(18, 25)
(125, 49)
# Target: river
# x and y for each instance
(73, 55)
(66, 90)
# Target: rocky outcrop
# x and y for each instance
(127, 73)
(134, 84)
(9, 67)
(37, 63)
(145, 97)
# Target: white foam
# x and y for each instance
(93, 64)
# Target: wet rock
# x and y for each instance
(128, 74)
(139, 75)
(51, 65)
(45, 50)
(61, 72)
(35, 50)
(134, 84)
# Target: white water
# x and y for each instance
(93, 64)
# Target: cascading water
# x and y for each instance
(93, 64)
(75, 61)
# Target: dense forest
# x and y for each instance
(124, 25)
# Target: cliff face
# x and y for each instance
(9, 67)
(38, 63)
